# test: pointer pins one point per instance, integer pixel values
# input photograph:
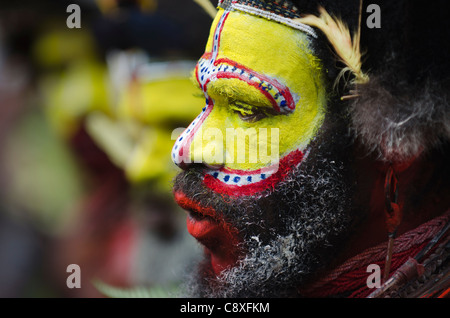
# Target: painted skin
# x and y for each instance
(255, 75)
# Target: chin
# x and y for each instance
(271, 243)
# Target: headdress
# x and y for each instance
(398, 96)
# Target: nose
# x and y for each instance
(197, 150)
(199, 145)
(180, 150)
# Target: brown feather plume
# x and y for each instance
(346, 47)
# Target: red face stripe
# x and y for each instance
(180, 150)
(278, 94)
(218, 35)
(195, 126)
(283, 90)
(254, 84)
(285, 166)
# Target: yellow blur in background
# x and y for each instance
(88, 120)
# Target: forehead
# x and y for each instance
(264, 46)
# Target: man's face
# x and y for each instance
(255, 76)
(267, 206)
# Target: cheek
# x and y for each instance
(299, 128)
(295, 131)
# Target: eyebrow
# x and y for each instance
(242, 92)
(276, 93)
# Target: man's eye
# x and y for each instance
(247, 113)
(251, 117)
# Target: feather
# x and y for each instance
(208, 7)
(338, 34)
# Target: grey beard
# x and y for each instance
(289, 234)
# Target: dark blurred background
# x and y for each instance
(87, 120)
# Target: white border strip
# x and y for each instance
(272, 16)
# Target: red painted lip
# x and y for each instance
(218, 237)
(201, 228)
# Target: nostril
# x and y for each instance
(204, 165)
(213, 166)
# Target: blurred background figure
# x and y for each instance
(88, 118)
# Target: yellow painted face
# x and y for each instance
(265, 99)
